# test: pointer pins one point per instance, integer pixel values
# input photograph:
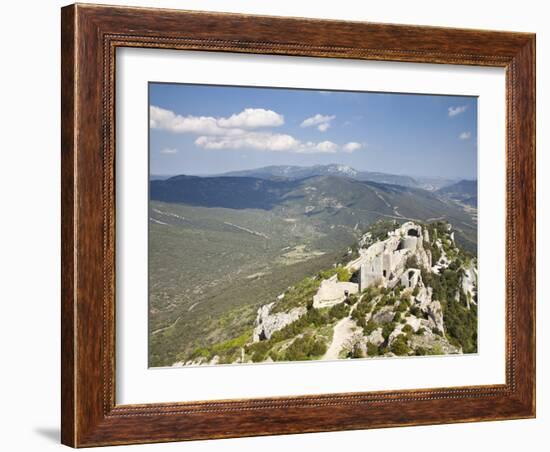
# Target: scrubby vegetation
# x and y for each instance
(394, 310)
(304, 348)
(227, 351)
(343, 273)
(379, 230)
(399, 346)
(300, 294)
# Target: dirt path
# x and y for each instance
(343, 330)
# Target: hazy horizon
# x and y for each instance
(418, 176)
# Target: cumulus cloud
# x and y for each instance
(265, 141)
(323, 127)
(248, 129)
(321, 121)
(249, 118)
(253, 118)
(169, 151)
(465, 135)
(352, 146)
(454, 111)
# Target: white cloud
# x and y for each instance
(253, 118)
(169, 151)
(465, 135)
(324, 146)
(249, 118)
(453, 111)
(322, 122)
(265, 141)
(352, 146)
(239, 131)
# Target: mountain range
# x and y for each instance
(464, 191)
(211, 237)
(292, 172)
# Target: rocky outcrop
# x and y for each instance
(469, 283)
(267, 323)
(397, 290)
(433, 342)
(375, 337)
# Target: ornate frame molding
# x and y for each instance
(90, 37)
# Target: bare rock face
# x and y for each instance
(375, 337)
(469, 283)
(385, 315)
(432, 341)
(436, 315)
(424, 297)
(267, 323)
(432, 308)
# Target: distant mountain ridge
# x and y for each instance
(464, 191)
(302, 172)
(270, 231)
(248, 192)
(292, 172)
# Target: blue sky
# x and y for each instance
(201, 129)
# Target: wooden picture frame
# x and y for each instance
(90, 36)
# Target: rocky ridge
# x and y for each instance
(406, 290)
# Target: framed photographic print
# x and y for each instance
(280, 225)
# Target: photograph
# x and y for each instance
(306, 225)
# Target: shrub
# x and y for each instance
(359, 318)
(352, 299)
(403, 306)
(353, 347)
(370, 292)
(399, 346)
(305, 347)
(313, 317)
(318, 348)
(370, 327)
(407, 329)
(372, 349)
(461, 325)
(343, 273)
(420, 351)
(258, 350)
(420, 331)
(338, 311)
(326, 274)
(380, 229)
(436, 350)
(387, 329)
(201, 352)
